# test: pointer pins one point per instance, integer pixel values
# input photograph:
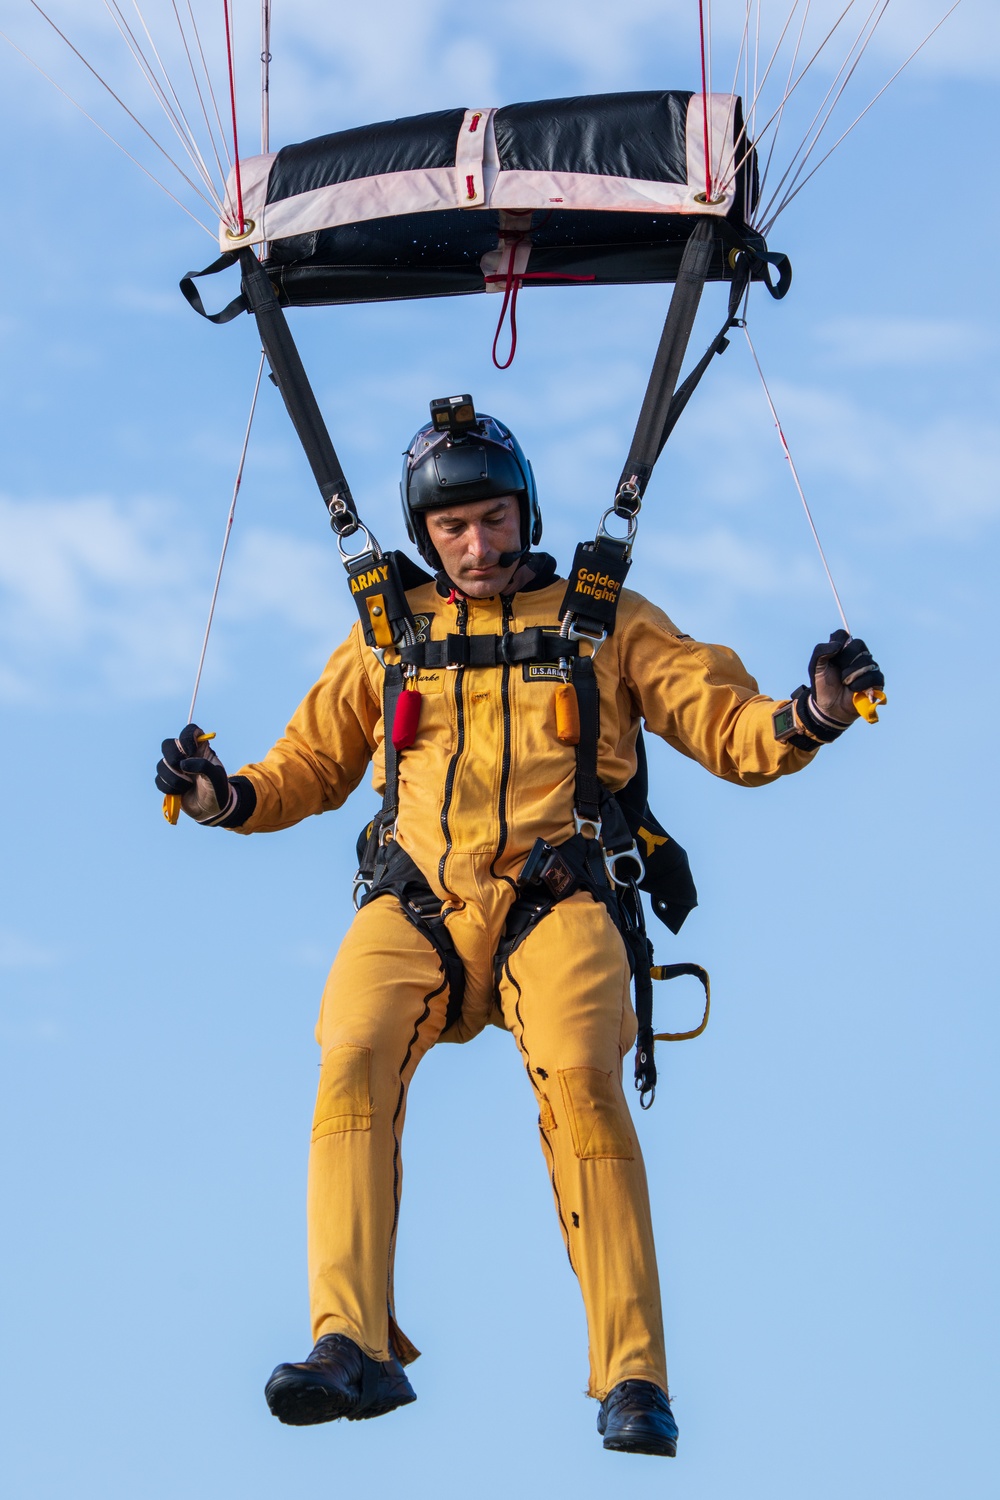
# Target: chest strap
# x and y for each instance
(511, 649)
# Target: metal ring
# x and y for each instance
(594, 824)
(611, 860)
(631, 520)
(249, 225)
(711, 202)
(369, 545)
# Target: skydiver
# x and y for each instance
(484, 780)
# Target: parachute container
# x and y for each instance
(597, 189)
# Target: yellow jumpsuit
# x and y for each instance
(484, 779)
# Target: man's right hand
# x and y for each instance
(191, 770)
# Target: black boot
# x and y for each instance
(337, 1380)
(635, 1417)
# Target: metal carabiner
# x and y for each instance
(611, 861)
(370, 543)
(631, 518)
(580, 823)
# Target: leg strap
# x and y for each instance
(397, 875)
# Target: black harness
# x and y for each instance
(602, 856)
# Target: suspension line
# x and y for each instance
(795, 477)
(225, 540)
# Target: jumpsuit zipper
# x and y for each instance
(507, 605)
(449, 784)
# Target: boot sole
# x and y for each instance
(654, 1447)
(302, 1403)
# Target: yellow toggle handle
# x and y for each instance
(868, 704)
(171, 801)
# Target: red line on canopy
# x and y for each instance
(232, 100)
(513, 281)
(704, 102)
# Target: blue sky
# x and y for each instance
(822, 1162)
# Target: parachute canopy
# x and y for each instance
(601, 188)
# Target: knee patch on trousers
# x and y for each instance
(344, 1100)
(594, 1106)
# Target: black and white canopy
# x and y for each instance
(600, 188)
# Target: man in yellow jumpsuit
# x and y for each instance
(484, 778)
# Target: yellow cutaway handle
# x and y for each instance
(868, 703)
(171, 801)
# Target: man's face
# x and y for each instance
(469, 540)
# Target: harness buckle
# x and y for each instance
(580, 824)
(361, 883)
(611, 863)
(573, 633)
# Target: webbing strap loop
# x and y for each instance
(193, 296)
(677, 971)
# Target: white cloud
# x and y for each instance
(732, 562)
(17, 952)
(874, 341)
(95, 585)
(273, 575)
(109, 596)
(890, 472)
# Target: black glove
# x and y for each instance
(858, 669)
(191, 770)
(838, 668)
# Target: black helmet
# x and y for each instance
(459, 456)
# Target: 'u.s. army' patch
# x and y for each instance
(541, 671)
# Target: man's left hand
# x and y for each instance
(838, 669)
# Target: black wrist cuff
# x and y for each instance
(244, 806)
(819, 728)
